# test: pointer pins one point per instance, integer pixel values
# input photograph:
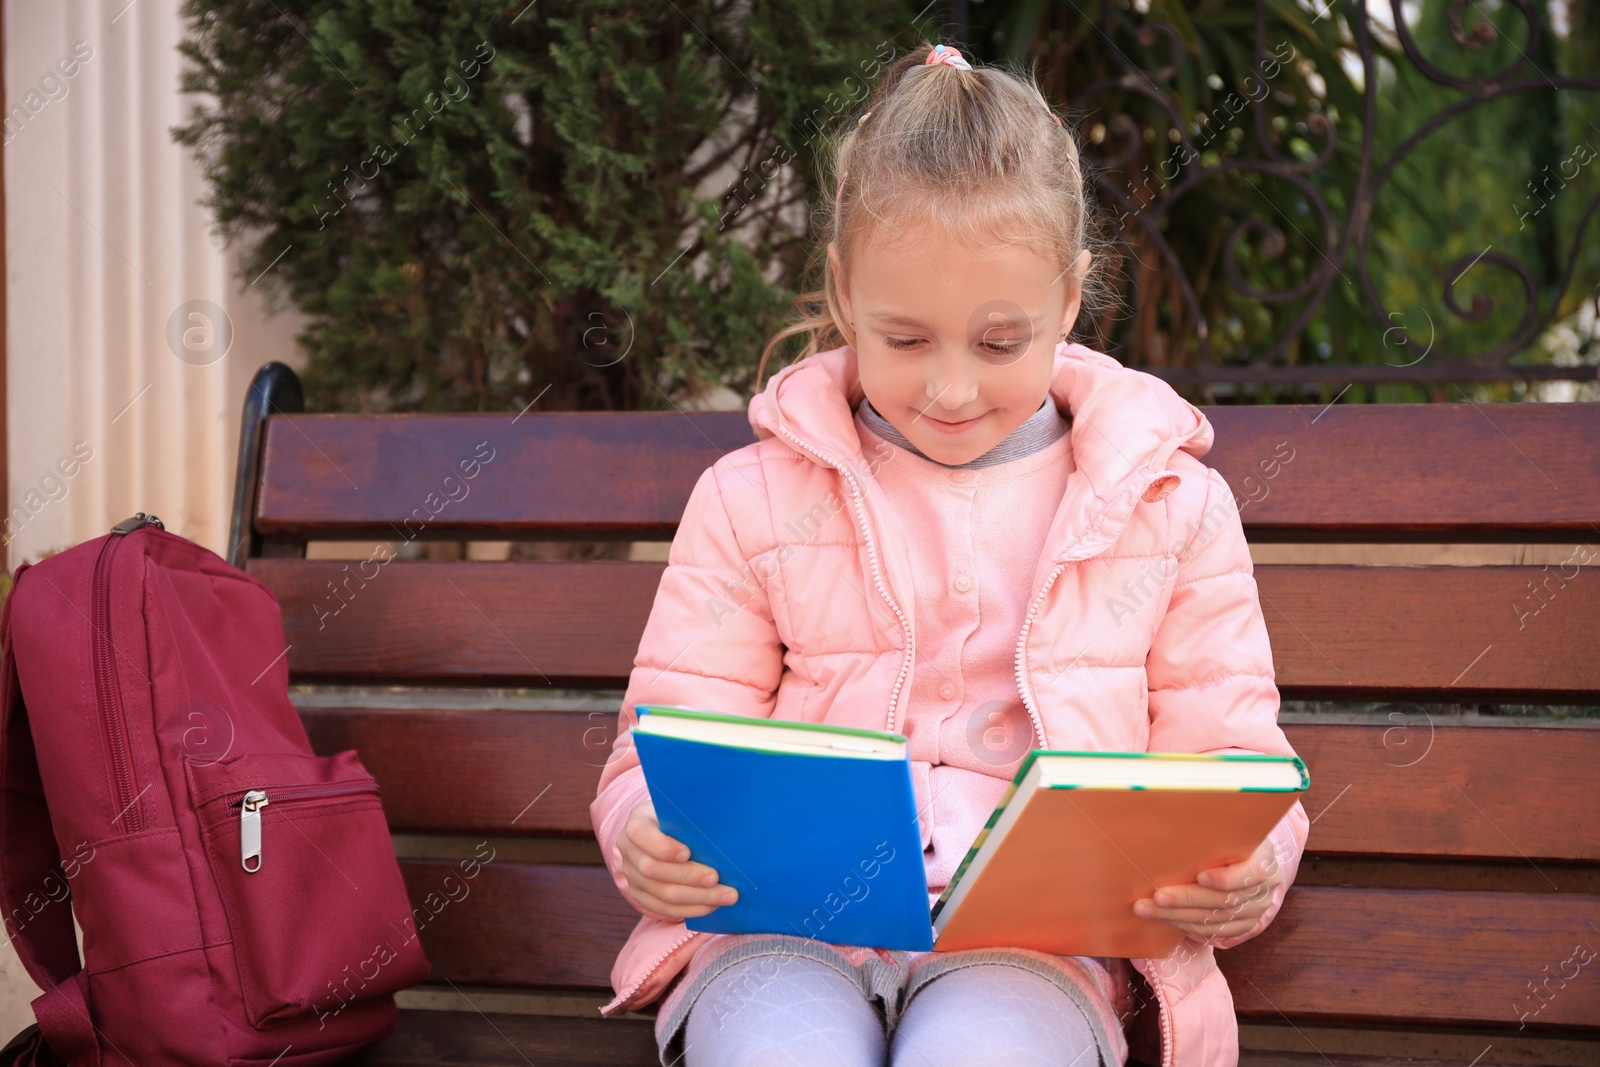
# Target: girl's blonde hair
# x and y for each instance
(977, 152)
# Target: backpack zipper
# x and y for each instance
(252, 801)
(108, 691)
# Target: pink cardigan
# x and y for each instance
(978, 534)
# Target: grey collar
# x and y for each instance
(1043, 428)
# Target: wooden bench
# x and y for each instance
(1451, 869)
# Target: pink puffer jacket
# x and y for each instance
(1144, 633)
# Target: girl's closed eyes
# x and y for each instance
(1001, 349)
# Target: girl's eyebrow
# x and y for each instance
(906, 320)
(895, 319)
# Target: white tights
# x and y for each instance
(803, 1013)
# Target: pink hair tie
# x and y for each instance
(949, 56)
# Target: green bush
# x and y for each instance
(480, 204)
(483, 203)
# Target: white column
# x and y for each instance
(105, 242)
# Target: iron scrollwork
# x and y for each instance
(1141, 206)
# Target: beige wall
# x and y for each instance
(105, 241)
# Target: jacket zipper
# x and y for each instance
(1023, 685)
(108, 690)
(877, 577)
(252, 801)
(1164, 1016)
(1163, 1012)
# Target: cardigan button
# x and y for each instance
(963, 583)
(961, 476)
(947, 690)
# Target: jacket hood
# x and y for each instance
(1124, 424)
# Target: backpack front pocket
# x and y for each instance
(308, 879)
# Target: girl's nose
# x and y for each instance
(952, 385)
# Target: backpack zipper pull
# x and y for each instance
(140, 519)
(250, 829)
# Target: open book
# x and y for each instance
(1079, 836)
(815, 826)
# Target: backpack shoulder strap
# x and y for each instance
(35, 895)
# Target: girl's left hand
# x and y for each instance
(1223, 902)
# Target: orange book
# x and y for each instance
(1079, 836)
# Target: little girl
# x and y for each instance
(952, 528)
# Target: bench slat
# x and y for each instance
(1332, 954)
(1446, 633)
(518, 924)
(1478, 472)
(543, 475)
(1413, 472)
(1343, 632)
(1413, 789)
(1423, 956)
(468, 772)
(1405, 790)
(499, 1039)
(525, 623)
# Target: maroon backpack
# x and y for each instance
(238, 895)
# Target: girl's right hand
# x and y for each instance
(659, 873)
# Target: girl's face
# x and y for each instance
(955, 346)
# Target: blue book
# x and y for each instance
(815, 826)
